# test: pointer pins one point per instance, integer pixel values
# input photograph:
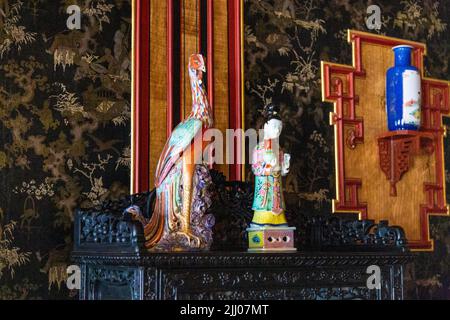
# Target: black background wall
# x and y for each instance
(65, 118)
(65, 133)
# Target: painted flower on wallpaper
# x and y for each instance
(13, 35)
(38, 191)
(92, 171)
(11, 257)
(99, 10)
(68, 103)
(420, 17)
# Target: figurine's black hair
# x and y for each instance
(271, 111)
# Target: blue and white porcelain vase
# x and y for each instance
(403, 92)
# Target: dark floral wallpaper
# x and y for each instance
(65, 132)
(65, 118)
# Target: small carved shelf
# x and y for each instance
(397, 149)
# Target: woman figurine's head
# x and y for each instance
(273, 124)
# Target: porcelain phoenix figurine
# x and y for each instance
(269, 229)
(179, 221)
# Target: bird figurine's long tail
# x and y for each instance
(179, 221)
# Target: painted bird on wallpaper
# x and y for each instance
(179, 221)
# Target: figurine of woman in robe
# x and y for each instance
(269, 165)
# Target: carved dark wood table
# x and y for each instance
(332, 261)
(224, 276)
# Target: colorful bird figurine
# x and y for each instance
(177, 222)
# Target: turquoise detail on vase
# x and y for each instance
(403, 92)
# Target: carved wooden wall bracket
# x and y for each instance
(397, 149)
(359, 123)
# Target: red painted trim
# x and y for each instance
(141, 92)
(199, 26)
(234, 69)
(334, 90)
(433, 108)
(358, 59)
(170, 35)
(210, 52)
(210, 58)
(181, 57)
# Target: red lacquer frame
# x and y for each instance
(347, 188)
(236, 81)
(140, 97)
(140, 144)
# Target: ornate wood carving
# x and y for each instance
(105, 283)
(344, 116)
(359, 119)
(109, 227)
(396, 151)
(230, 276)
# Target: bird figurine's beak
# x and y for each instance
(203, 69)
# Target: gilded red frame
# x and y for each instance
(332, 91)
(140, 133)
(140, 140)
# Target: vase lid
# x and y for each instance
(403, 46)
